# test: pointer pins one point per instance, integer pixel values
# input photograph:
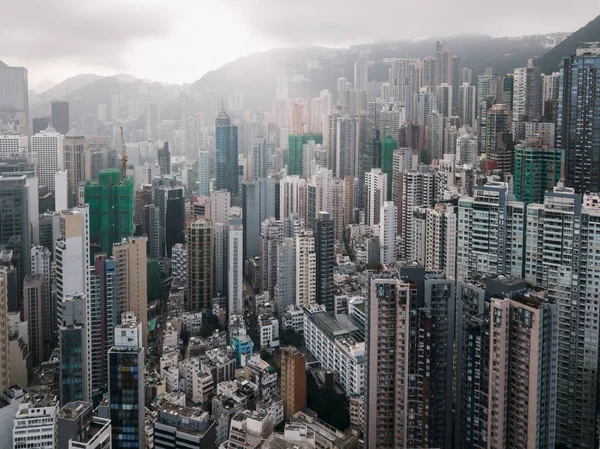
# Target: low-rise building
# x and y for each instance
(292, 318)
(179, 427)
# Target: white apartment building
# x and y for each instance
(306, 268)
(235, 269)
(36, 424)
(376, 189)
(387, 232)
(333, 347)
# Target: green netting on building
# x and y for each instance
(295, 143)
(388, 145)
(536, 170)
(111, 210)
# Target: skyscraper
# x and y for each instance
(259, 202)
(226, 153)
(33, 304)
(132, 281)
(73, 346)
(306, 268)
(325, 251)
(153, 121)
(527, 103)
(498, 121)
(75, 146)
(361, 72)
(376, 194)
(41, 265)
(126, 385)
(47, 147)
(578, 131)
(199, 265)
(295, 144)
(164, 159)
(537, 170)
(271, 236)
(204, 173)
(467, 106)
(293, 381)
(60, 116)
(111, 210)
(387, 232)
(169, 198)
(235, 265)
(388, 146)
(4, 365)
(14, 95)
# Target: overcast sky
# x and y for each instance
(179, 40)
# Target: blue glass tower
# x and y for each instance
(226, 150)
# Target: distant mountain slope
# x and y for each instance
(588, 33)
(69, 85)
(254, 75)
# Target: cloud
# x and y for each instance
(329, 22)
(92, 32)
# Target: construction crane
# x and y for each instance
(123, 158)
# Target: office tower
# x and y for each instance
(306, 268)
(295, 144)
(164, 159)
(79, 428)
(579, 94)
(387, 232)
(498, 121)
(61, 190)
(33, 313)
(47, 148)
(410, 333)
(153, 121)
(285, 288)
(489, 233)
(169, 198)
(361, 72)
(35, 423)
(522, 381)
(293, 381)
(281, 85)
(72, 256)
(434, 137)
(537, 170)
(235, 265)
(199, 265)
(14, 95)
(467, 106)
(203, 173)
(550, 96)
(271, 236)
(103, 279)
(14, 225)
(126, 385)
(376, 194)
(508, 87)
(325, 259)
(74, 146)
(347, 147)
(89, 125)
(564, 268)
(299, 117)
(60, 116)
(132, 280)
(179, 427)
(13, 145)
(4, 365)
(260, 158)
(219, 215)
(259, 202)
(39, 124)
(73, 349)
(527, 91)
(226, 154)
(111, 210)
(443, 95)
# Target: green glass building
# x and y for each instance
(111, 210)
(295, 143)
(537, 170)
(388, 145)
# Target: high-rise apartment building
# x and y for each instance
(126, 385)
(235, 267)
(387, 232)
(271, 236)
(299, 116)
(295, 144)
(325, 260)
(293, 381)
(75, 146)
(203, 173)
(199, 265)
(443, 94)
(48, 149)
(537, 170)
(33, 313)
(361, 72)
(226, 154)
(132, 281)
(4, 365)
(498, 121)
(490, 233)
(388, 146)
(527, 103)
(60, 116)
(153, 121)
(36, 423)
(306, 268)
(579, 96)
(260, 200)
(376, 194)
(467, 104)
(164, 159)
(111, 210)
